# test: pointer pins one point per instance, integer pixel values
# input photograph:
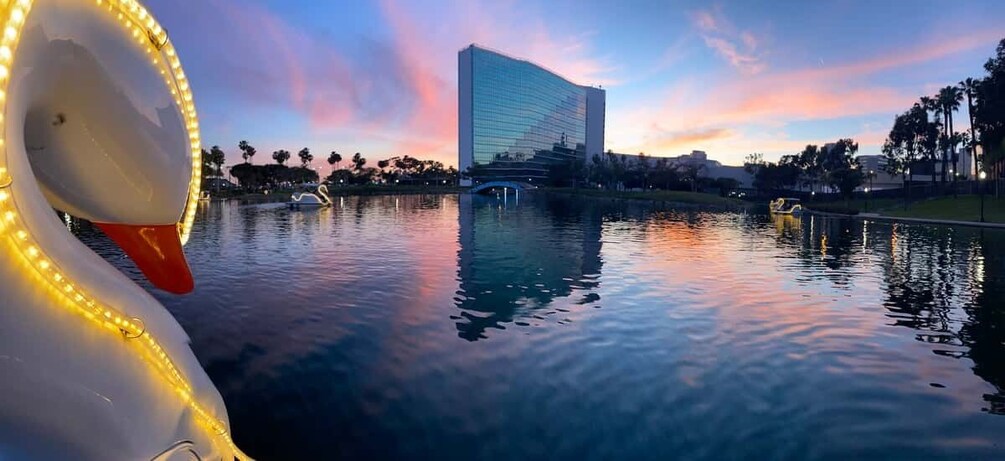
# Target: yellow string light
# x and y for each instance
(46, 271)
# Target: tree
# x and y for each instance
(809, 161)
(926, 132)
(334, 158)
(382, 166)
(643, 167)
(969, 86)
(726, 185)
(989, 113)
(691, 173)
(281, 156)
(207, 164)
(217, 158)
(305, 157)
(841, 170)
(753, 162)
(948, 99)
(899, 150)
(247, 151)
(770, 176)
(358, 161)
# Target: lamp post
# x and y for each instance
(907, 187)
(980, 185)
(872, 173)
(952, 177)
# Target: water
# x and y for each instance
(446, 327)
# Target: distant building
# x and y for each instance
(516, 118)
(921, 170)
(712, 169)
(877, 178)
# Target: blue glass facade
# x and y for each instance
(518, 118)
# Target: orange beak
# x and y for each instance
(157, 252)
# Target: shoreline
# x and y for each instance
(284, 196)
(938, 222)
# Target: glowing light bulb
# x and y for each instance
(4, 196)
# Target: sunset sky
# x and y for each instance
(729, 78)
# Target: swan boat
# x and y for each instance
(790, 206)
(310, 200)
(97, 121)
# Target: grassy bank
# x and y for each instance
(962, 208)
(854, 206)
(699, 199)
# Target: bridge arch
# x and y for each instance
(487, 187)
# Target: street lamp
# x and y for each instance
(867, 199)
(980, 185)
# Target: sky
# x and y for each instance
(729, 78)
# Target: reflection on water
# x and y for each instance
(512, 265)
(446, 327)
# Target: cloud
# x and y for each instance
(386, 91)
(739, 47)
(745, 62)
(690, 139)
(750, 114)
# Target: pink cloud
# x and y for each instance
(746, 62)
(686, 140)
(738, 47)
(771, 100)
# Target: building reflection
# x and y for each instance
(944, 284)
(516, 262)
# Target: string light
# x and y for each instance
(45, 270)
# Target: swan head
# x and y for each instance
(104, 136)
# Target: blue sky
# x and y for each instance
(730, 78)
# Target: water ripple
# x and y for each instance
(446, 327)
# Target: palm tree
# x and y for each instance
(247, 152)
(305, 157)
(358, 161)
(281, 156)
(921, 126)
(334, 158)
(949, 98)
(969, 87)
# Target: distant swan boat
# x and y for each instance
(785, 206)
(310, 200)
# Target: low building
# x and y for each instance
(711, 169)
(877, 178)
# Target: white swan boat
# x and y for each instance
(790, 206)
(97, 121)
(310, 200)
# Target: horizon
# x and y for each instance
(729, 79)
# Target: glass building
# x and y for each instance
(517, 119)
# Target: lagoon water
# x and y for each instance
(457, 327)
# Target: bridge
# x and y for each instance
(485, 188)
